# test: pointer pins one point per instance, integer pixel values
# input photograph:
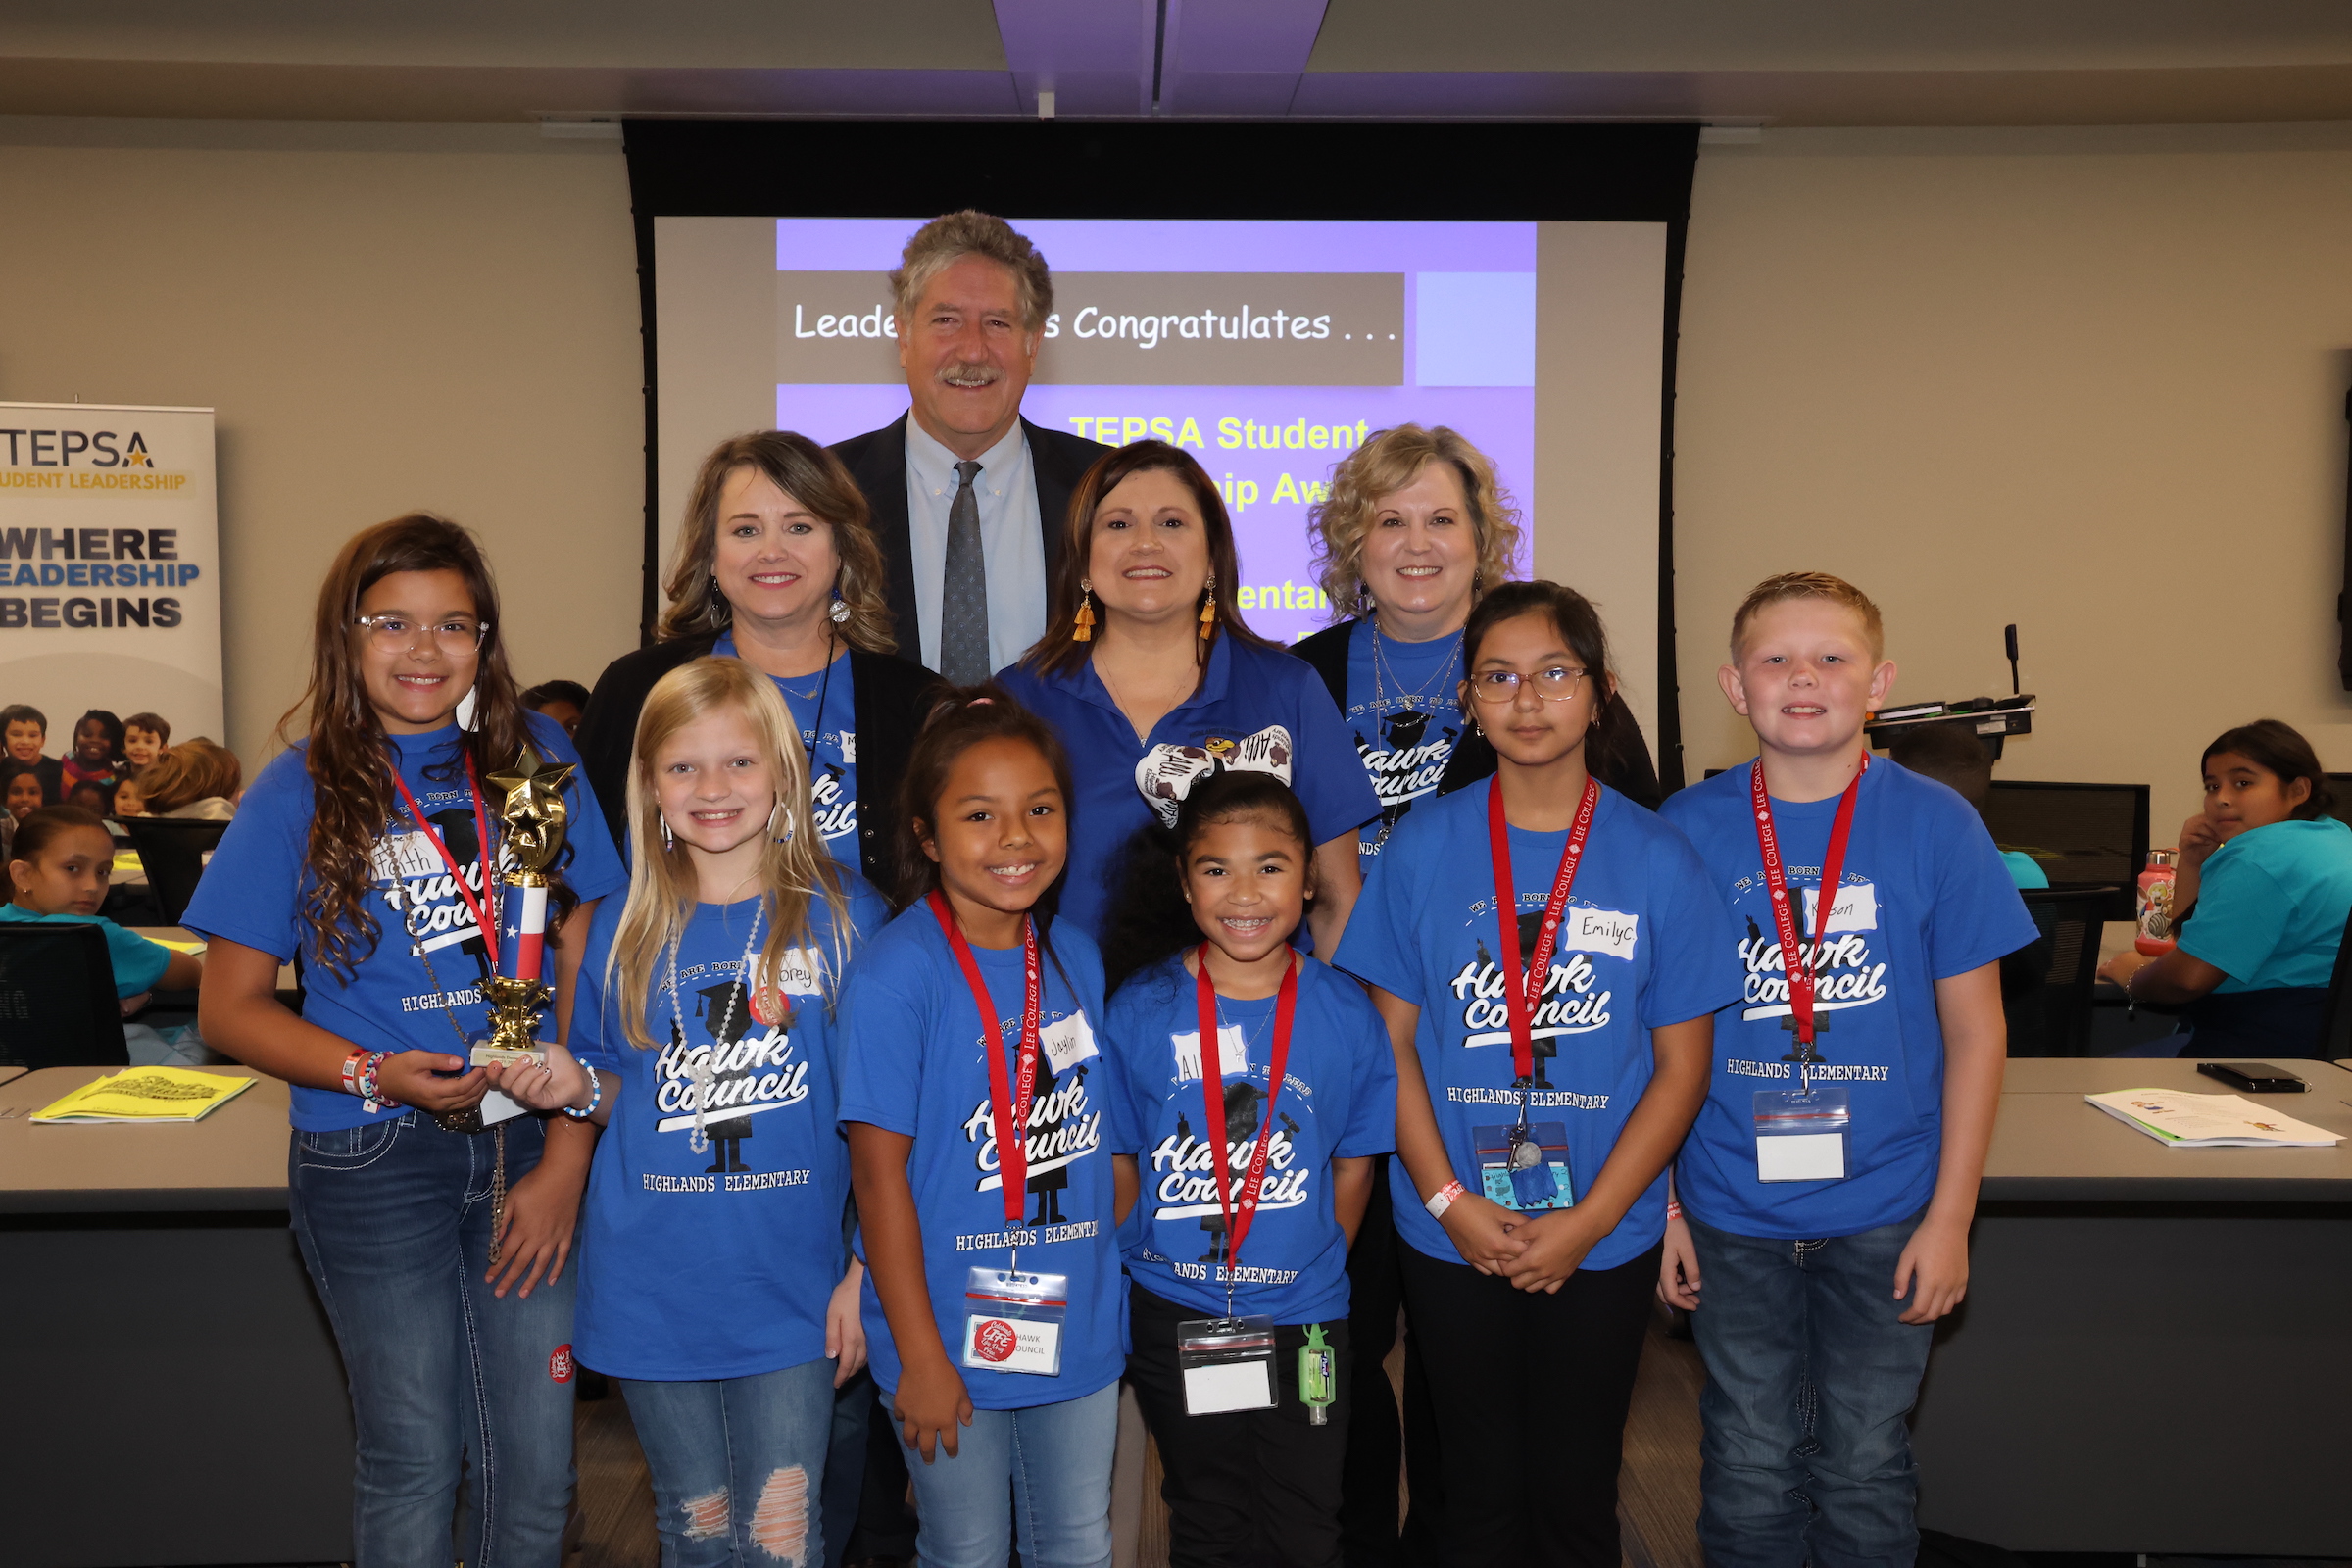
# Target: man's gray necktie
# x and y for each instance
(963, 591)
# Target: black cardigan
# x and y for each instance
(890, 697)
(1624, 767)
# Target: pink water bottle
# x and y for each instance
(2155, 936)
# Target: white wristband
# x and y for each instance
(1442, 1200)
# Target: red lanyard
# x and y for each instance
(1238, 1217)
(1783, 915)
(1521, 994)
(484, 907)
(1008, 1103)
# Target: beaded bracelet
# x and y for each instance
(596, 1095)
(370, 1089)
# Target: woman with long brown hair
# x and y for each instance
(367, 852)
(777, 566)
(1152, 680)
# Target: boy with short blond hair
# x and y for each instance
(1825, 1191)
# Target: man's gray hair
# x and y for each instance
(943, 241)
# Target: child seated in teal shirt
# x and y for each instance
(2263, 890)
(57, 871)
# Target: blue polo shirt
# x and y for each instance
(2271, 904)
(1256, 708)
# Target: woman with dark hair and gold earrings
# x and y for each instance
(1153, 681)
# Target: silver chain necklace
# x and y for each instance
(702, 1072)
(1404, 698)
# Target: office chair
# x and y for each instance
(57, 998)
(2045, 986)
(2335, 1040)
(172, 850)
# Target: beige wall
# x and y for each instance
(2088, 381)
(386, 317)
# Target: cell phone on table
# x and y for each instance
(2256, 1077)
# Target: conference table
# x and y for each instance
(174, 1392)
(2152, 1354)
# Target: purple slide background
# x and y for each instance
(1267, 491)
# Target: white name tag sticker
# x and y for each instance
(1067, 1042)
(1012, 1345)
(399, 857)
(1598, 931)
(1801, 1158)
(1233, 1053)
(1228, 1386)
(1856, 909)
(799, 972)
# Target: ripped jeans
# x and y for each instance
(737, 1465)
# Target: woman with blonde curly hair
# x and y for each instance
(1415, 529)
(777, 566)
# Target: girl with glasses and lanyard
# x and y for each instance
(435, 1228)
(1547, 956)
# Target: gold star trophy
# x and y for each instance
(533, 815)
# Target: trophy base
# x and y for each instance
(486, 1055)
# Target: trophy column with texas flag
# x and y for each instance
(533, 817)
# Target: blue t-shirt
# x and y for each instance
(911, 1059)
(824, 708)
(2271, 904)
(254, 889)
(1402, 713)
(1923, 896)
(1338, 1101)
(1643, 944)
(717, 1264)
(1256, 708)
(2024, 869)
(138, 962)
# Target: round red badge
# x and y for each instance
(560, 1365)
(994, 1340)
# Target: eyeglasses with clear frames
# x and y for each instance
(400, 634)
(1554, 685)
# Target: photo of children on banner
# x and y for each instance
(25, 731)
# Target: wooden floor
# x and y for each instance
(1658, 1492)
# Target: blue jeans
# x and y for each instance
(1805, 1457)
(394, 1223)
(1056, 1461)
(737, 1465)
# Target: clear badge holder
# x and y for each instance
(1801, 1134)
(1524, 1166)
(1228, 1363)
(1013, 1321)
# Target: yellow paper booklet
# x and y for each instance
(146, 1094)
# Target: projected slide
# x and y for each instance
(1268, 350)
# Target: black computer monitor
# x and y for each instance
(2081, 835)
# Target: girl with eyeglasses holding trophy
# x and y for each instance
(435, 1222)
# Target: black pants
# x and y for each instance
(1369, 1501)
(1249, 1487)
(1530, 1392)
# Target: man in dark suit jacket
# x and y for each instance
(970, 501)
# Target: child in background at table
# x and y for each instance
(971, 1088)
(563, 701)
(129, 801)
(368, 848)
(1304, 1073)
(23, 788)
(145, 737)
(97, 756)
(2263, 889)
(702, 1031)
(92, 798)
(197, 778)
(1547, 956)
(1828, 1257)
(1955, 759)
(56, 872)
(25, 731)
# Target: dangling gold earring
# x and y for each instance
(1082, 629)
(1209, 607)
